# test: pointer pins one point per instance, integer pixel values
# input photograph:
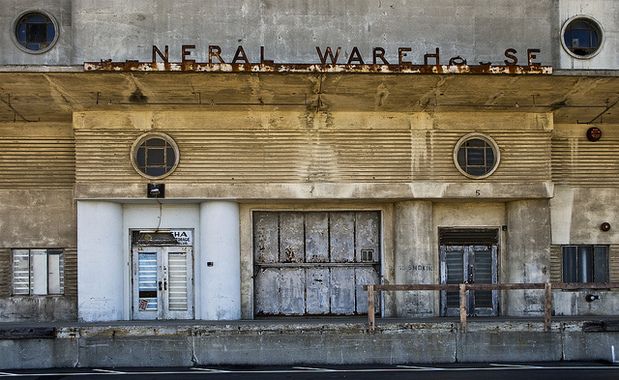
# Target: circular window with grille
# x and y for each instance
(35, 32)
(154, 155)
(581, 37)
(476, 156)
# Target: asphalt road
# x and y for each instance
(488, 371)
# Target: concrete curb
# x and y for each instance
(305, 343)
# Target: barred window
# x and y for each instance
(582, 37)
(38, 272)
(35, 32)
(476, 156)
(154, 155)
(585, 263)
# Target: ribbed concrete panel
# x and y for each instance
(30, 161)
(524, 156)
(259, 156)
(104, 155)
(345, 156)
(556, 263)
(613, 262)
(579, 162)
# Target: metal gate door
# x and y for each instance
(475, 264)
(162, 285)
(315, 263)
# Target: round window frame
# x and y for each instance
(591, 20)
(487, 139)
(150, 135)
(25, 49)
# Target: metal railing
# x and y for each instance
(464, 288)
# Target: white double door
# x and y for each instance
(162, 282)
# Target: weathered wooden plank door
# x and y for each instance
(315, 263)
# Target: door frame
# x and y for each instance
(163, 279)
(468, 247)
(256, 266)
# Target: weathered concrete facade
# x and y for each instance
(289, 32)
(355, 174)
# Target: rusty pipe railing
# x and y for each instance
(462, 289)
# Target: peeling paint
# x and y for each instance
(108, 65)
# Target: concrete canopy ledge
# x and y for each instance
(321, 191)
(570, 98)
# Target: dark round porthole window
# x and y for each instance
(35, 32)
(582, 37)
(154, 155)
(476, 156)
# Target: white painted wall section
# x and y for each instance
(100, 260)
(220, 241)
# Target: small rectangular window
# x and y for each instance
(21, 272)
(585, 263)
(38, 272)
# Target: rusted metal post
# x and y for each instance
(547, 305)
(371, 311)
(463, 307)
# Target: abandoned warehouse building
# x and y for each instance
(182, 160)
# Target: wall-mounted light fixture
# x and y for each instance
(155, 190)
(594, 134)
(605, 227)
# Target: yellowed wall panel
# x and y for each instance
(292, 147)
(579, 162)
(524, 156)
(614, 263)
(36, 155)
(556, 264)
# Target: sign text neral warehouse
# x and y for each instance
(329, 56)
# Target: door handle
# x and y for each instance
(471, 274)
(160, 285)
(165, 285)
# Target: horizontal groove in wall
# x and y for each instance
(37, 161)
(614, 262)
(579, 162)
(524, 156)
(556, 263)
(298, 156)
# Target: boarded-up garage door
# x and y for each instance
(315, 263)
